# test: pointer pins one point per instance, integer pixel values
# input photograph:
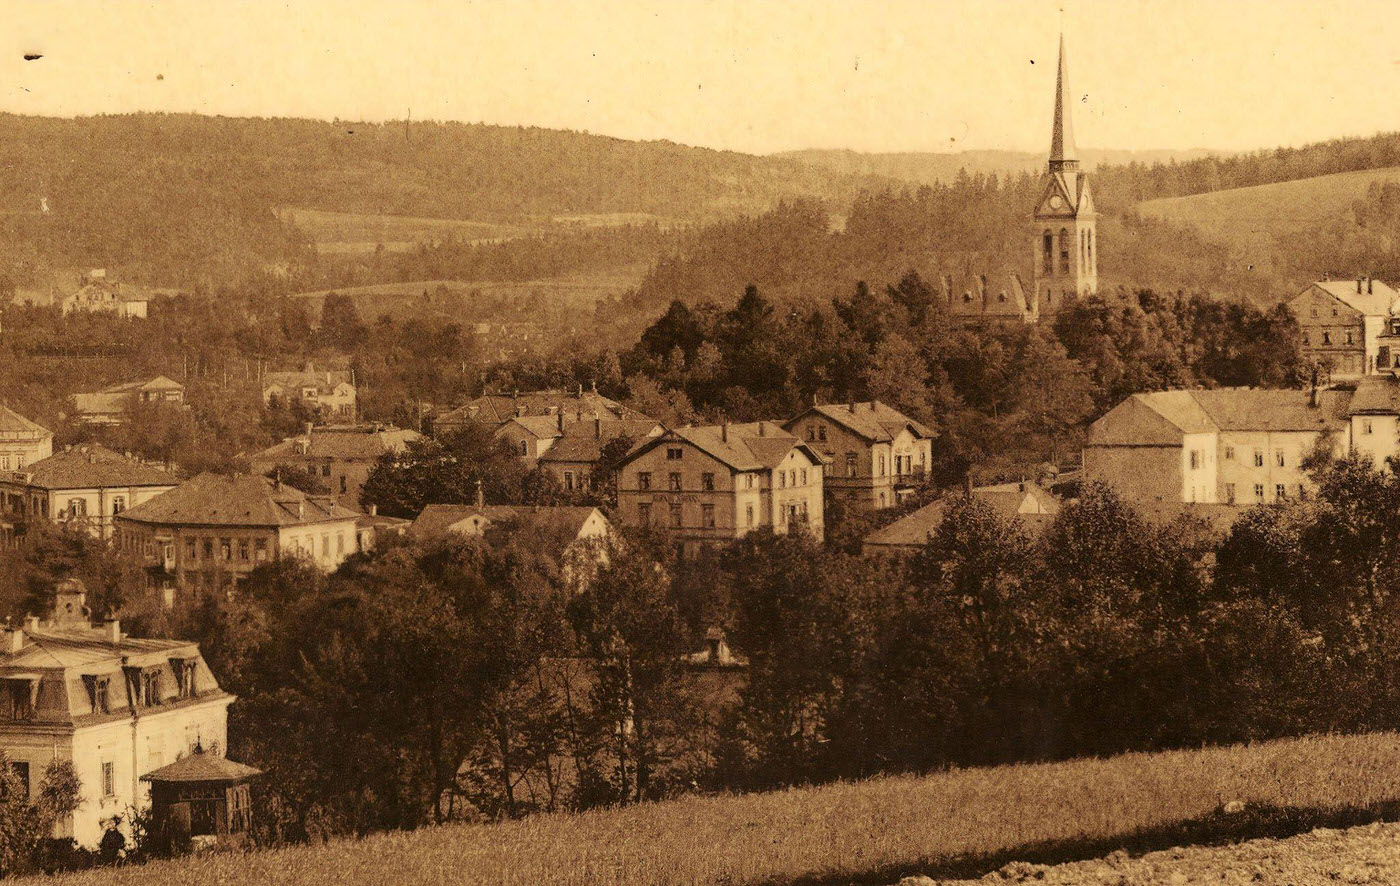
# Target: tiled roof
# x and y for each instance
(1376, 394)
(84, 647)
(1163, 416)
(159, 383)
(12, 423)
(202, 766)
(751, 446)
(1376, 302)
(324, 381)
(239, 500)
(90, 467)
(341, 442)
(1006, 499)
(437, 519)
(497, 408)
(873, 420)
(1003, 295)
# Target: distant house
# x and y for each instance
(328, 392)
(212, 530)
(1351, 327)
(573, 456)
(84, 485)
(112, 405)
(710, 484)
(493, 410)
(1029, 503)
(340, 455)
(877, 454)
(116, 707)
(22, 442)
(95, 294)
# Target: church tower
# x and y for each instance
(1065, 243)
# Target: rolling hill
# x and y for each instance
(932, 167)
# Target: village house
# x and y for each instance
(1029, 503)
(341, 456)
(1230, 446)
(493, 410)
(706, 485)
(112, 405)
(116, 707)
(96, 294)
(1350, 328)
(877, 455)
(212, 530)
(22, 442)
(329, 393)
(84, 486)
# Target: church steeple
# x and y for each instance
(1063, 155)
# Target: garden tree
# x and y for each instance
(1262, 559)
(670, 407)
(51, 553)
(627, 623)
(298, 477)
(1051, 396)
(602, 479)
(25, 824)
(341, 326)
(446, 470)
(788, 619)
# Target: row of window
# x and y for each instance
(1280, 492)
(6, 461)
(676, 515)
(1279, 458)
(1327, 338)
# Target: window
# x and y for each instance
(782, 479)
(118, 504)
(260, 549)
(4, 462)
(644, 480)
(748, 481)
(1229, 453)
(150, 688)
(1280, 491)
(1230, 493)
(675, 481)
(325, 544)
(1366, 426)
(1278, 458)
(1258, 458)
(707, 516)
(804, 476)
(98, 696)
(340, 542)
(209, 549)
(184, 669)
(1195, 459)
(1326, 337)
(707, 481)
(109, 779)
(1048, 253)
(674, 453)
(344, 486)
(1259, 491)
(77, 507)
(811, 434)
(243, 553)
(675, 515)
(569, 480)
(1064, 250)
(1334, 312)
(882, 465)
(524, 447)
(850, 464)
(20, 698)
(225, 549)
(821, 433)
(644, 513)
(1302, 492)
(1395, 326)
(19, 461)
(191, 549)
(1349, 341)
(748, 515)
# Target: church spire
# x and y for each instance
(1063, 155)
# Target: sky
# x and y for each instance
(758, 76)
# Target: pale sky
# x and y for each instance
(748, 75)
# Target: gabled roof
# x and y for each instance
(1376, 299)
(159, 383)
(341, 442)
(873, 421)
(1147, 419)
(13, 424)
(566, 519)
(81, 647)
(1034, 506)
(202, 766)
(1376, 395)
(91, 467)
(1161, 417)
(324, 381)
(496, 408)
(238, 500)
(583, 441)
(751, 446)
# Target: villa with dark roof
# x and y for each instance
(83, 486)
(877, 454)
(211, 530)
(112, 405)
(710, 484)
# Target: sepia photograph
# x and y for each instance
(699, 442)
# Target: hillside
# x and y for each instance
(954, 824)
(1249, 219)
(930, 167)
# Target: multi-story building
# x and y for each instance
(22, 442)
(85, 486)
(330, 393)
(214, 529)
(877, 455)
(112, 405)
(1230, 446)
(1350, 327)
(116, 707)
(341, 456)
(717, 483)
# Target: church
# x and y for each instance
(1063, 240)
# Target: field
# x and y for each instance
(952, 824)
(344, 233)
(1250, 218)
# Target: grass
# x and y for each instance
(1250, 218)
(959, 823)
(348, 232)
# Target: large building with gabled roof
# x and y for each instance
(710, 484)
(83, 486)
(876, 454)
(1350, 328)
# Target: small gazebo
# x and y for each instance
(203, 797)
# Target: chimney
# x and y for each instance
(561, 421)
(480, 495)
(112, 630)
(580, 389)
(597, 428)
(1369, 282)
(309, 426)
(1358, 285)
(14, 640)
(301, 509)
(760, 429)
(374, 510)
(724, 432)
(595, 385)
(982, 289)
(328, 376)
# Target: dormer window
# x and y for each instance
(98, 688)
(21, 697)
(184, 670)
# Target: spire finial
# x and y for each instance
(1063, 155)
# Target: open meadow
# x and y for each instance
(341, 233)
(957, 823)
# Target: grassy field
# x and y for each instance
(347, 232)
(1249, 218)
(956, 823)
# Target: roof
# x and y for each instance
(1375, 302)
(1161, 417)
(14, 424)
(50, 648)
(1376, 394)
(324, 381)
(981, 296)
(500, 407)
(1062, 130)
(1009, 500)
(750, 446)
(159, 383)
(872, 420)
(583, 441)
(238, 500)
(202, 766)
(438, 519)
(91, 466)
(342, 442)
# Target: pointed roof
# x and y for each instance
(13, 425)
(1063, 154)
(91, 466)
(202, 766)
(239, 500)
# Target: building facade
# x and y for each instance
(711, 484)
(212, 530)
(329, 393)
(95, 294)
(876, 455)
(340, 456)
(85, 486)
(1350, 328)
(22, 442)
(115, 706)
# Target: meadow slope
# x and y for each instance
(958, 823)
